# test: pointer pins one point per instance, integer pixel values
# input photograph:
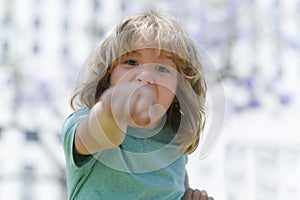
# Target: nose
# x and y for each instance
(145, 76)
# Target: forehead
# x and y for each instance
(156, 52)
(167, 42)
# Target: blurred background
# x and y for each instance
(255, 45)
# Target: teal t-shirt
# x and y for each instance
(145, 166)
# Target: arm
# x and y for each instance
(98, 132)
(186, 181)
(106, 124)
(191, 194)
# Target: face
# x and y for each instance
(156, 71)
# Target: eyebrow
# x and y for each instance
(133, 52)
(167, 55)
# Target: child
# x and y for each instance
(140, 113)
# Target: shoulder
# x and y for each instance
(74, 119)
(69, 128)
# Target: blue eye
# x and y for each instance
(131, 62)
(162, 69)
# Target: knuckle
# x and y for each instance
(203, 192)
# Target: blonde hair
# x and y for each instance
(186, 116)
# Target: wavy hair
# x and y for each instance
(186, 116)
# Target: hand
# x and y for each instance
(196, 194)
(129, 104)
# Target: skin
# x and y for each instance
(142, 88)
(156, 78)
(196, 194)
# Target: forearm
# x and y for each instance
(98, 132)
(186, 181)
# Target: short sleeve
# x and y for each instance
(68, 133)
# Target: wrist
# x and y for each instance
(103, 127)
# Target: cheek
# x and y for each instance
(166, 100)
(117, 76)
(170, 86)
(167, 95)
